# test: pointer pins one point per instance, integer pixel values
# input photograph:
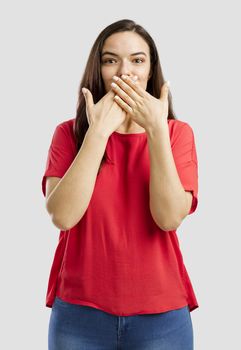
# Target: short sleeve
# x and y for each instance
(185, 157)
(60, 154)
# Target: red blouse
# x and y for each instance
(116, 258)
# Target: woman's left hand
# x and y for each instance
(142, 107)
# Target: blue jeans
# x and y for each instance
(80, 327)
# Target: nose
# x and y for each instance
(124, 70)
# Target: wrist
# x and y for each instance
(157, 128)
(95, 130)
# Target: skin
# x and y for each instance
(169, 202)
(123, 45)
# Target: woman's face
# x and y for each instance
(125, 53)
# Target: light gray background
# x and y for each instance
(44, 48)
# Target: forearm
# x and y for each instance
(167, 195)
(69, 200)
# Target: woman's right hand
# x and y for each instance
(106, 115)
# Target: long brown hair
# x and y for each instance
(92, 78)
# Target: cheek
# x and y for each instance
(142, 76)
(104, 74)
(108, 73)
(143, 80)
(106, 79)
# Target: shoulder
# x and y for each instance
(66, 126)
(64, 133)
(179, 128)
(177, 124)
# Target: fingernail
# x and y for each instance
(168, 83)
(84, 91)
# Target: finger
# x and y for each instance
(165, 90)
(126, 82)
(89, 98)
(88, 101)
(124, 95)
(131, 87)
(109, 96)
(122, 104)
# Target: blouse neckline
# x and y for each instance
(132, 134)
(128, 134)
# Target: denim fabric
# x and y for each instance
(80, 327)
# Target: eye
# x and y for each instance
(111, 59)
(108, 60)
(139, 59)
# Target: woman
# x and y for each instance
(120, 178)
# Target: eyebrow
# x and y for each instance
(114, 54)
